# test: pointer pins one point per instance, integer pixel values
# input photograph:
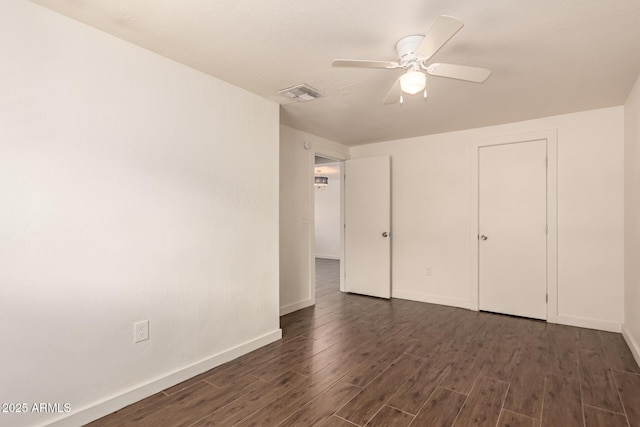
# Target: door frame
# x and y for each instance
(311, 169)
(551, 136)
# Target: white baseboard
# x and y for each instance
(290, 308)
(432, 299)
(111, 404)
(603, 325)
(582, 322)
(324, 256)
(633, 344)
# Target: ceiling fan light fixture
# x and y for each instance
(413, 82)
(414, 52)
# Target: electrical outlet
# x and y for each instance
(428, 271)
(141, 331)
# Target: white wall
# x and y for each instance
(431, 214)
(327, 212)
(132, 188)
(297, 249)
(631, 328)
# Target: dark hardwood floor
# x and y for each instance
(353, 360)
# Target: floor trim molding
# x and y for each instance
(333, 257)
(633, 345)
(111, 404)
(290, 308)
(431, 299)
(582, 322)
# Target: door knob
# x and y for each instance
(483, 237)
(385, 234)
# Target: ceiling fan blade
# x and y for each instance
(439, 33)
(394, 94)
(364, 63)
(460, 72)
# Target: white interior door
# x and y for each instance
(512, 228)
(368, 226)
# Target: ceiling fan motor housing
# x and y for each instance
(406, 49)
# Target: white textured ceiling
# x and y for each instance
(548, 56)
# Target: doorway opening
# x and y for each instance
(328, 184)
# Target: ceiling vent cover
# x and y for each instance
(300, 93)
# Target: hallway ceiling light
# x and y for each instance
(320, 182)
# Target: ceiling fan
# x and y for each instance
(413, 53)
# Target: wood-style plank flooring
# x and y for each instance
(354, 360)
